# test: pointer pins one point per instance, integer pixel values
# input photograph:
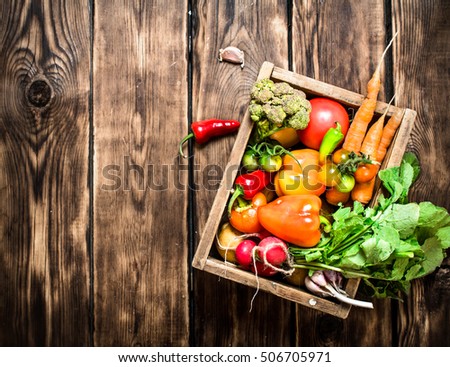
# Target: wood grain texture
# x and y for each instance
(44, 194)
(421, 74)
(344, 54)
(222, 90)
(93, 201)
(140, 203)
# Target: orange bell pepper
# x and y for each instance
(295, 219)
(245, 218)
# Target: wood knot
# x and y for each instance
(39, 93)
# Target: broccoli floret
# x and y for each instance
(276, 101)
(261, 84)
(275, 105)
(262, 96)
(294, 103)
(299, 92)
(262, 91)
(263, 127)
(280, 89)
(256, 112)
(274, 114)
(299, 121)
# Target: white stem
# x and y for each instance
(350, 301)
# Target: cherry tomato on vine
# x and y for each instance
(324, 114)
(329, 174)
(341, 156)
(346, 184)
(270, 163)
(250, 160)
(365, 172)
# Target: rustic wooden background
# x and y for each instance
(99, 218)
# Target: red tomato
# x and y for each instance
(324, 114)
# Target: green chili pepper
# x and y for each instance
(330, 141)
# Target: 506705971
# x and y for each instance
(302, 357)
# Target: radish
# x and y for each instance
(244, 253)
(273, 250)
(262, 270)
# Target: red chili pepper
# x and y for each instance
(204, 130)
(248, 185)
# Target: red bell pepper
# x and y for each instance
(248, 185)
(204, 130)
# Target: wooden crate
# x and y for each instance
(205, 258)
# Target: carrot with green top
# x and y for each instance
(364, 115)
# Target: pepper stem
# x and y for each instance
(185, 139)
(238, 191)
(326, 224)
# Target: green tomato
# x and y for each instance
(270, 163)
(329, 174)
(346, 184)
(250, 160)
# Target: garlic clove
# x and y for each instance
(319, 278)
(232, 54)
(316, 289)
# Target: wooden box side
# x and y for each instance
(202, 259)
(286, 291)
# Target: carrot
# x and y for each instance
(363, 191)
(364, 115)
(370, 147)
(388, 134)
(373, 137)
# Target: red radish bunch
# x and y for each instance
(270, 252)
(244, 253)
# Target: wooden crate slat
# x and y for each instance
(232, 272)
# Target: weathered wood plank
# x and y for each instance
(44, 193)
(424, 35)
(222, 90)
(140, 203)
(345, 54)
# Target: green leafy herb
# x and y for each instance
(388, 245)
